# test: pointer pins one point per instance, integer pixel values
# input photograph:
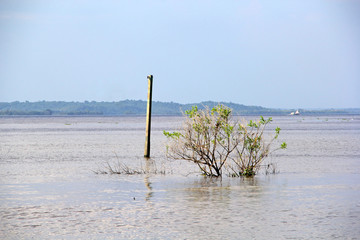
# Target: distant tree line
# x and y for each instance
(138, 107)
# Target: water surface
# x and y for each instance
(48, 188)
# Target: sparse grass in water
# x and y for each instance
(122, 169)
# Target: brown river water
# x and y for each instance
(48, 188)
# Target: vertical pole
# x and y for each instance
(148, 117)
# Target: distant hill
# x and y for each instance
(138, 107)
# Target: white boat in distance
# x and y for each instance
(295, 113)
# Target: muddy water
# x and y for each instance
(48, 188)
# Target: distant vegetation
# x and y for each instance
(138, 107)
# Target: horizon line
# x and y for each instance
(204, 101)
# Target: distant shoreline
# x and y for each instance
(138, 108)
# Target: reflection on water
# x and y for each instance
(48, 189)
(149, 164)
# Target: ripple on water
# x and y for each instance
(48, 188)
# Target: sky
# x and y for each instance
(278, 54)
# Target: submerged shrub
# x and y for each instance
(253, 148)
(210, 137)
(207, 139)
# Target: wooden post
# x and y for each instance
(148, 117)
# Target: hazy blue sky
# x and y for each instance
(286, 54)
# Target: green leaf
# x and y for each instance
(277, 132)
(193, 112)
(172, 135)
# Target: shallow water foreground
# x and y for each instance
(48, 189)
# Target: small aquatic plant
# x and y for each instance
(123, 169)
(119, 168)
